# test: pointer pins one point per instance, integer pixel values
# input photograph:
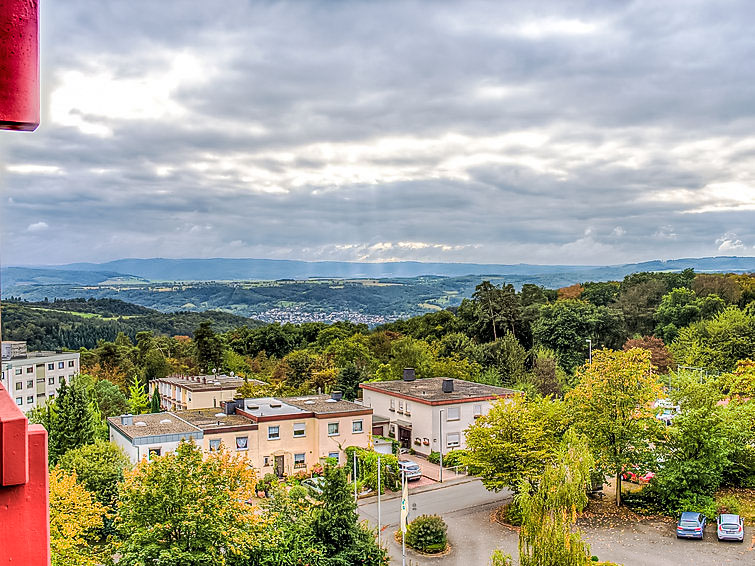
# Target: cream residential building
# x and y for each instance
(183, 392)
(32, 378)
(280, 436)
(431, 414)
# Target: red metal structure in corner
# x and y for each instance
(24, 484)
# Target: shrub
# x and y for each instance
(267, 482)
(728, 504)
(434, 457)
(454, 458)
(298, 492)
(512, 513)
(427, 533)
(499, 558)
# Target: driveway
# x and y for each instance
(429, 470)
(466, 508)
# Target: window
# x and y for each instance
(19, 400)
(267, 461)
(357, 426)
(154, 452)
(30, 400)
(407, 411)
(71, 363)
(50, 366)
(299, 430)
(61, 365)
(452, 414)
(60, 379)
(400, 406)
(40, 380)
(334, 456)
(242, 442)
(18, 371)
(19, 386)
(393, 405)
(29, 383)
(30, 369)
(332, 429)
(52, 395)
(477, 411)
(214, 444)
(50, 381)
(453, 439)
(299, 461)
(273, 432)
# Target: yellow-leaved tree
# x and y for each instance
(75, 517)
(612, 406)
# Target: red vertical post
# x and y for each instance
(19, 65)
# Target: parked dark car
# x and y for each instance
(315, 485)
(730, 527)
(690, 525)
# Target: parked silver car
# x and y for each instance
(730, 527)
(411, 470)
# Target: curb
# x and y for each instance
(423, 489)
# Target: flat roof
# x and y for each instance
(269, 407)
(430, 390)
(207, 382)
(325, 404)
(209, 421)
(155, 424)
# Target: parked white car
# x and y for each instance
(411, 470)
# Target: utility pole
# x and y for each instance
(589, 345)
(354, 476)
(440, 427)
(379, 488)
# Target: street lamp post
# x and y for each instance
(589, 345)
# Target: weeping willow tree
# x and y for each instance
(550, 511)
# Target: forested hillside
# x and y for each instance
(81, 323)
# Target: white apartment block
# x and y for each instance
(33, 377)
(431, 414)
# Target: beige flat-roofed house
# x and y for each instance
(277, 435)
(183, 392)
(153, 434)
(431, 414)
(297, 432)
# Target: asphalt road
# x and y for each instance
(466, 508)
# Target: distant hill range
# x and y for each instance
(225, 269)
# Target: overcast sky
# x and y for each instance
(502, 132)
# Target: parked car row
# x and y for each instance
(728, 526)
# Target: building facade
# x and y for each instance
(277, 435)
(431, 414)
(184, 392)
(31, 378)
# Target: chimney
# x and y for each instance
(336, 395)
(204, 380)
(127, 420)
(409, 374)
(448, 385)
(230, 407)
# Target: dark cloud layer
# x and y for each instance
(558, 132)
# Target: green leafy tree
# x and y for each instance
(549, 510)
(186, 509)
(506, 355)
(695, 451)
(209, 348)
(717, 344)
(612, 406)
(564, 327)
(99, 467)
(515, 441)
(497, 307)
(138, 400)
(110, 399)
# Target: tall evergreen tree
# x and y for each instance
(76, 422)
(336, 523)
(209, 348)
(154, 404)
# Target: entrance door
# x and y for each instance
(405, 437)
(279, 466)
